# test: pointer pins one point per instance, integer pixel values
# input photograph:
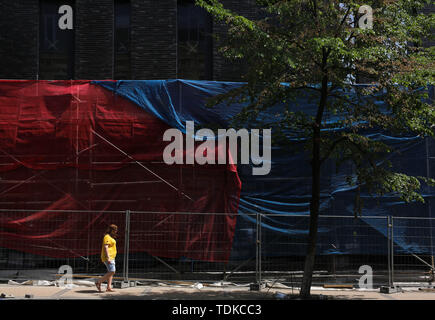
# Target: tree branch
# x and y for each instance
(342, 22)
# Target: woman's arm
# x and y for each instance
(106, 247)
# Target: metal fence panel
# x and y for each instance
(413, 250)
(38, 243)
(196, 246)
(283, 253)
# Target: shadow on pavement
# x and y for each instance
(215, 295)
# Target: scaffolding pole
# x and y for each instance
(126, 244)
(143, 166)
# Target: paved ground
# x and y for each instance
(177, 292)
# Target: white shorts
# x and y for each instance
(110, 266)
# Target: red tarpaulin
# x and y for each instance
(73, 145)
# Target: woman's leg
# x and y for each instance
(109, 280)
(99, 282)
(107, 277)
(104, 278)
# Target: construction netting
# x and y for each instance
(74, 145)
(97, 146)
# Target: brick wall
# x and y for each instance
(93, 39)
(19, 25)
(153, 39)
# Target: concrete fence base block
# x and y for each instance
(389, 290)
(256, 286)
(121, 284)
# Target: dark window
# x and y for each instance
(122, 39)
(56, 46)
(194, 42)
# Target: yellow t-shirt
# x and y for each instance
(112, 248)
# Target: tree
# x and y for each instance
(323, 47)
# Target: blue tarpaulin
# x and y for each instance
(283, 196)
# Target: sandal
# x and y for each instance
(98, 285)
(110, 290)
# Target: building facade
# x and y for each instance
(115, 39)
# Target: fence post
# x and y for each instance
(390, 282)
(256, 247)
(259, 246)
(126, 244)
(392, 251)
(258, 250)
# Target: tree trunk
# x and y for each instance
(314, 217)
(315, 193)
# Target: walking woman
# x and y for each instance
(108, 254)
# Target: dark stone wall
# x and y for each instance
(93, 39)
(19, 26)
(154, 39)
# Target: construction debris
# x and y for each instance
(198, 285)
(281, 296)
(56, 283)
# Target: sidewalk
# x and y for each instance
(174, 292)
